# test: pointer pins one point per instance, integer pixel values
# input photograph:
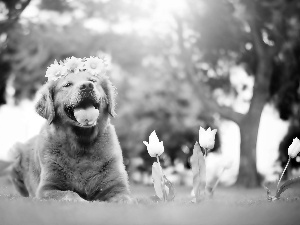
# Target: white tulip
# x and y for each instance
(155, 147)
(294, 148)
(207, 138)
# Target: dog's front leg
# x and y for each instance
(45, 192)
(120, 194)
(122, 198)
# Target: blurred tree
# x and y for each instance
(55, 5)
(10, 11)
(286, 89)
(34, 45)
(256, 34)
(275, 27)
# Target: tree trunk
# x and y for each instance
(4, 74)
(248, 175)
(15, 8)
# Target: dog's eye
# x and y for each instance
(67, 84)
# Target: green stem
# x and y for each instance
(218, 181)
(157, 160)
(283, 171)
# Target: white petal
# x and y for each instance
(153, 137)
(161, 148)
(146, 143)
(292, 150)
(297, 147)
(202, 130)
(214, 131)
(202, 137)
(154, 147)
(152, 154)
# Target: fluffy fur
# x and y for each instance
(68, 160)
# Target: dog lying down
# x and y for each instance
(77, 155)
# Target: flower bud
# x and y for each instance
(154, 147)
(294, 148)
(207, 138)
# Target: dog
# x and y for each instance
(77, 155)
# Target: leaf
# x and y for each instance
(286, 185)
(171, 190)
(164, 188)
(269, 196)
(157, 177)
(199, 172)
(212, 185)
(155, 198)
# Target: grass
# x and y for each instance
(229, 206)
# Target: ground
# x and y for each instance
(229, 206)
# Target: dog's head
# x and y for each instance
(78, 99)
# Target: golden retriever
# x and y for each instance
(77, 155)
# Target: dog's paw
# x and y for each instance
(72, 197)
(126, 199)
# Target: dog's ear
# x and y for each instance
(111, 93)
(44, 105)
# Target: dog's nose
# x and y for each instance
(86, 86)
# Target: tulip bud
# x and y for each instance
(207, 138)
(294, 148)
(155, 147)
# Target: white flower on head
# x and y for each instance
(294, 148)
(55, 71)
(207, 138)
(155, 147)
(94, 65)
(73, 64)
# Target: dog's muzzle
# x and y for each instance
(85, 110)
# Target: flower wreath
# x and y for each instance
(94, 65)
